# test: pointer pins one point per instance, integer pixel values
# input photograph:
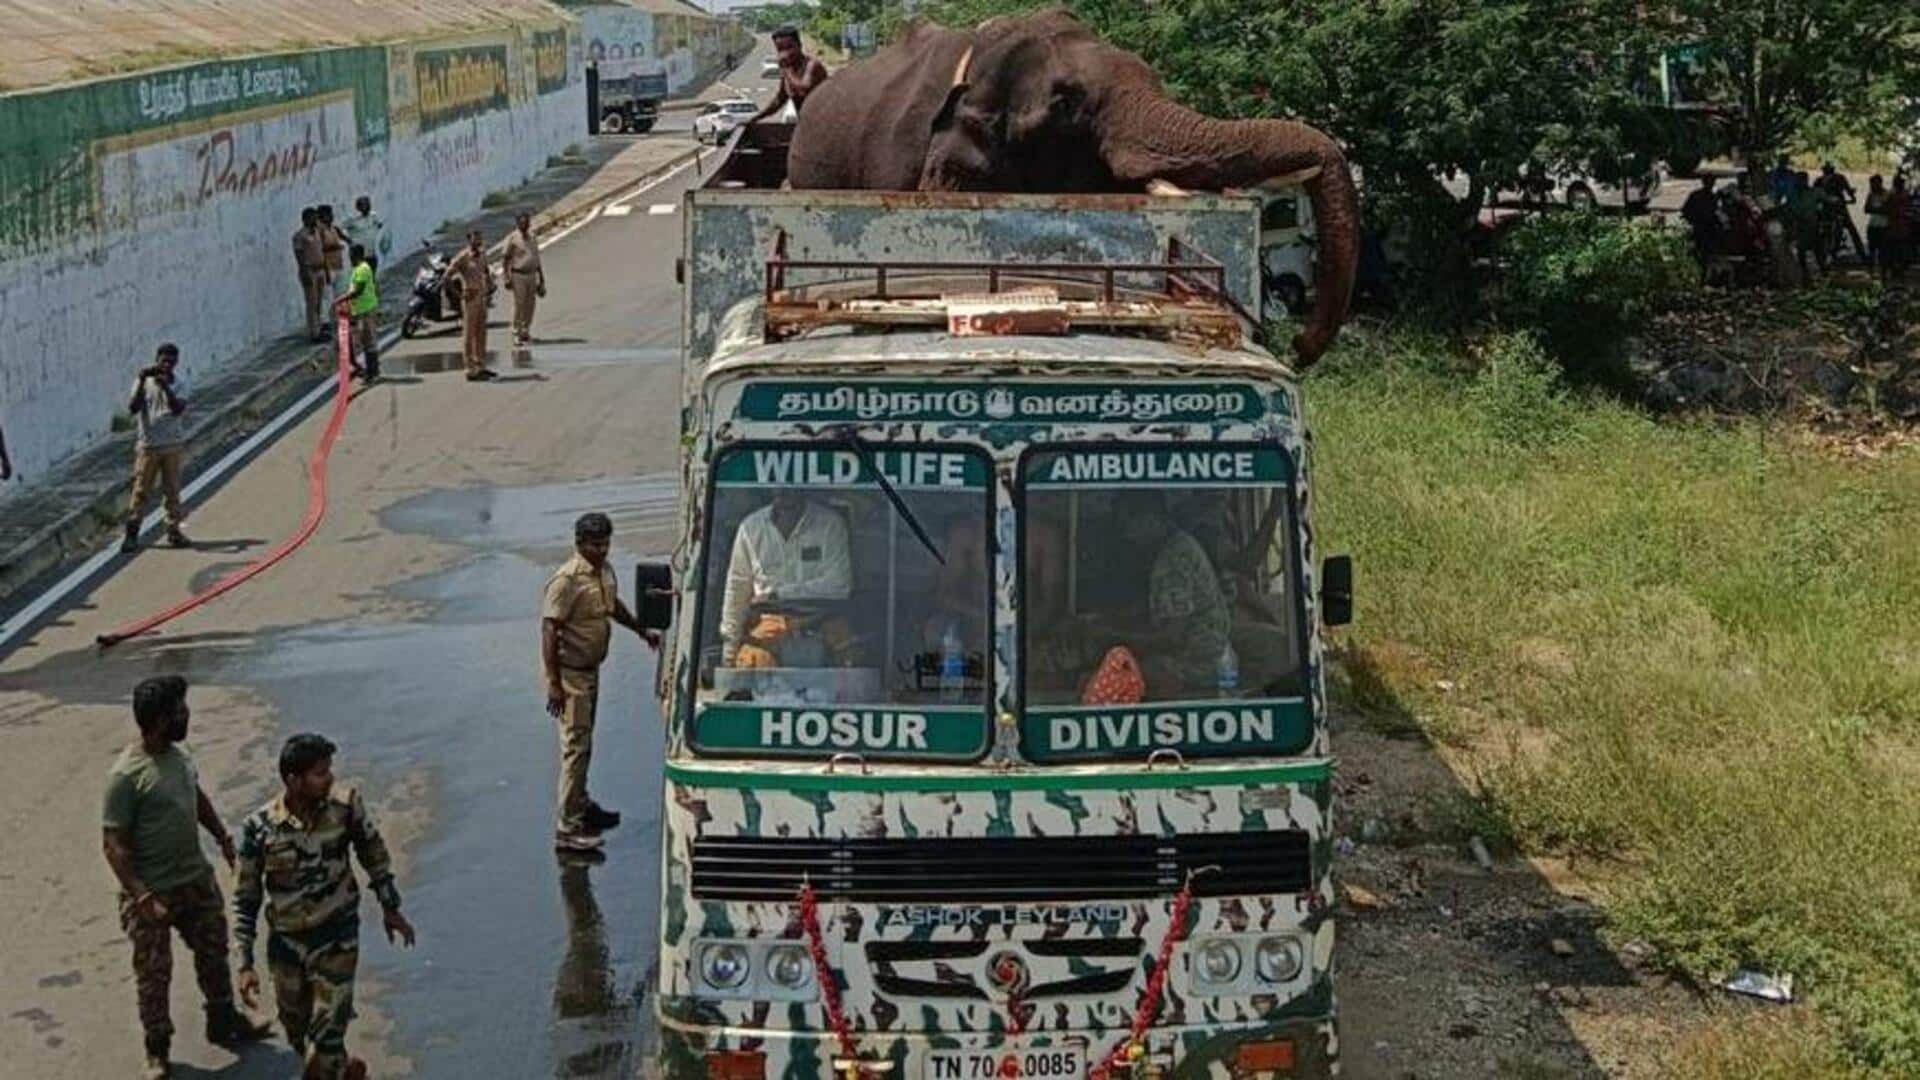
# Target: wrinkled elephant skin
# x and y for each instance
(1039, 104)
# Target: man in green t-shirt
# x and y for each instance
(362, 305)
(154, 808)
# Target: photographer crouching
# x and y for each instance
(158, 404)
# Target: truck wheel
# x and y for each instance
(613, 123)
(409, 325)
(641, 127)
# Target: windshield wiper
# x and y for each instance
(899, 505)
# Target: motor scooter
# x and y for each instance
(434, 299)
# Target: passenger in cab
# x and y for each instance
(1176, 636)
(789, 569)
(1188, 620)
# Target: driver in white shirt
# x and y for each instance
(790, 551)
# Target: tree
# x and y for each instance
(1799, 73)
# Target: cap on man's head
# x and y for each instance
(593, 526)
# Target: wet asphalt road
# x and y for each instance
(407, 632)
(539, 965)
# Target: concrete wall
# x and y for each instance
(628, 41)
(160, 207)
(620, 40)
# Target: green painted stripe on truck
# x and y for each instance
(1301, 773)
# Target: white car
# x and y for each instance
(770, 68)
(717, 119)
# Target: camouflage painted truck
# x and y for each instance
(997, 733)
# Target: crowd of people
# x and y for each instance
(1787, 228)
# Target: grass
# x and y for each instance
(497, 198)
(1689, 652)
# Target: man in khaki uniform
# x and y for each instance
(333, 248)
(157, 406)
(469, 268)
(524, 276)
(582, 601)
(310, 259)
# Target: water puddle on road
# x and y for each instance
(528, 964)
(531, 358)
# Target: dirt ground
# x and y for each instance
(1447, 969)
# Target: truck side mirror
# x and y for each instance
(653, 595)
(1336, 590)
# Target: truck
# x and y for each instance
(630, 101)
(993, 672)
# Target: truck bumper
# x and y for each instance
(1295, 1048)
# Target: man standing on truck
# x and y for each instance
(581, 603)
(154, 811)
(800, 74)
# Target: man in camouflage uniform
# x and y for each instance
(154, 808)
(293, 854)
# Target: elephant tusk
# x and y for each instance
(960, 69)
(1292, 179)
(1165, 189)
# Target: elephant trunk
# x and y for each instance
(1145, 136)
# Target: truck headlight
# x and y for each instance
(789, 967)
(1279, 959)
(1216, 962)
(725, 966)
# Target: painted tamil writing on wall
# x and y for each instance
(454, 84)
(65, 153)
(550, 69)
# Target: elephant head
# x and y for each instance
(1040, 104)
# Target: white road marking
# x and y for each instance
(661, 208)
(627, 199)
(618, 211)
(58, 592)
(569, 230)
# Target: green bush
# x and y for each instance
(1520, 392)
(1582, 281)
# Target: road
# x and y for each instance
(406, 631)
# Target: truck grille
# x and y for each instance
(1002, 870)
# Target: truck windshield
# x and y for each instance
(1160, 606)
(826, 625)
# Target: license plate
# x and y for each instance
(1057, 1061)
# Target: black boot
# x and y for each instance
(159, 1050)
(132, 542)
(599, 817)
(228, 1026)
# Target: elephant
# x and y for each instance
(1041, 104)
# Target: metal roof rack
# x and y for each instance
(1184, 296)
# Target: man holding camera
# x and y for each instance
(158, 407)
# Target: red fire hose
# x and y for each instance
(316, 506)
